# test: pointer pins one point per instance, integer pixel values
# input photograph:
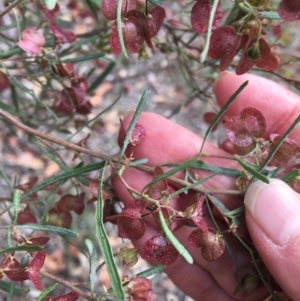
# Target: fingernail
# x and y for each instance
(275, 207)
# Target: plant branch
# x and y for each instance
(7, 116)
(10, 7)
(68, 285)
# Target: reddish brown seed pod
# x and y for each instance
(241, 129)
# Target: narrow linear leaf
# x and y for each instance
(138, 162)
(207, 199)
(218, 170)
(84, 58)
(17, 205)
(209, 28)
(8, 108)
(47, 291)
(60, 231)
(21, 248)
(157, 2)
(262, 14)
(223, 110)
(251, 170)
(17, 83)
(278, 144)
(178, 246)
(98, 81)
(93, 6)
(201, 165)
(64, 176)
(93, 263)
(11, 292)
(187, 188)
(8, 286)
(119, 27)
(105, 248)
(291, 175)
(222, 207)
(53, 156)
(178, 167)
(158, 269)
(152, 271)
(139, 109)
(96, 2)
(235, 213)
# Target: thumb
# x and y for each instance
(273, 220)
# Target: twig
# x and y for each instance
(68, 285)
(7, 116)
(10, 7)
(175, 180)
(50, 138)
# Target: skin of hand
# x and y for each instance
(272, 210)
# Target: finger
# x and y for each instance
(279, 105)
(273, 219)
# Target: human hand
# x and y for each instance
(272, 210)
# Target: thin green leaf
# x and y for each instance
(84, 58)
(8, 108)
(17, 205)
(21, 248)
(178, 246)
(291, 175)
(96, 2)
(10, 293)
(50, 4)
(138, 162)
(98, 81)
(278, 144)
(8, 286)
(58, 230)
(218, 170)
(119, 27)
(179, 167)
(261, 14)
(139, 109)
(158, 269)
(105, 248)
(235, 213)
(6, 179)
(222, 111)
(251, 170)
(187, 188)
(152, 271)
(93, 6)
(53, 156)
(221, 207)
(47, 291)
(15, 99)
(207, 199)
(255, 260)
(64, 176)
(209, 28)
(93, 263)
(77, 45)
(157, 2)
